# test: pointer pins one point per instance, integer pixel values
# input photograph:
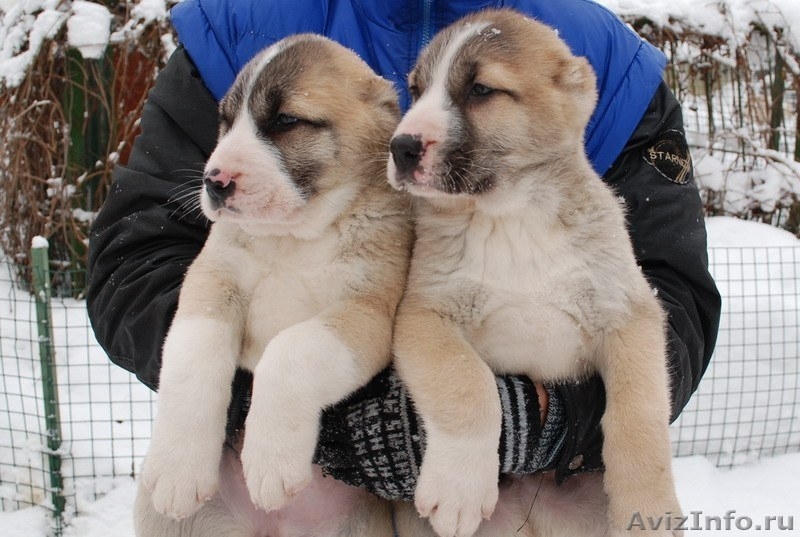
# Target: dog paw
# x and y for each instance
(179, 483)
(457, 487)
(451, 507)
(273, 476)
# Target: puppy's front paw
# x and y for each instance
(179, 482)
(457, 486)
(274, 472)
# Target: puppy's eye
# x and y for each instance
(276, 124)
(480, 90)
(284, 121)
(413, 90)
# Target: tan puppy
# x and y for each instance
(522, 264)
(298, 282)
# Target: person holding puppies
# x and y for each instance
(143, 238)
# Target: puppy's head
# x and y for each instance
(495, 95)
(304, 125)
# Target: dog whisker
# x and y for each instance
(187, 200)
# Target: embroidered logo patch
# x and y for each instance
(670, 156)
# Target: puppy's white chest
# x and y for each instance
(288, 283)
(525, 282)
(512, 255)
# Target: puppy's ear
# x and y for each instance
(577, 78)
(380, 91)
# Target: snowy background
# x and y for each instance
(108, 414)
(28, 23)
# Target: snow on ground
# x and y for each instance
(748, 403)
(737, 501)
(726, 231)
(751, 494)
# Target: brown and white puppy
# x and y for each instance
(298, 281)
(522, 264)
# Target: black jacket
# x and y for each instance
(146, 235)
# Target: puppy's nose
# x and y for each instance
(406, 152)
(219, 186)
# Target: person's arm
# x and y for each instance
(665, 220)
(150, 227)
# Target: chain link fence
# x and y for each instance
(105, 414)
(748, 405)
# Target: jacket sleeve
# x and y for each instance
(665, 220)
(150, 227)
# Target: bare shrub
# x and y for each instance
(62, 130)
(740, 106)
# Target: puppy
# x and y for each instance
(298, 282)
(522, 264)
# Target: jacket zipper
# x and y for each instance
(427, 23)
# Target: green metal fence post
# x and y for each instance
(41, 289)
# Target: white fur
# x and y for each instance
(429, 115)
(265, 194)
(445, 63)
(262, 60)
(321, 213)
(180, 484)
(304, 369)
(521, 266)
(455, 501)
(287, 280)
(291, 276)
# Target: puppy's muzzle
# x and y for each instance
(219, 186)
(406, 152)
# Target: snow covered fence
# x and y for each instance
(748, 405)
(52, 410)
(105, 413)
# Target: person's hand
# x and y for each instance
(544, 398)
(373, 439)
